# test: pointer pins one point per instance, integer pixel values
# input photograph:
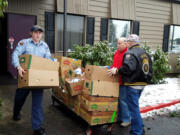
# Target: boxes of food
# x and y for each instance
(96, 118)
(74, 103)
(67, 67)
(91, 103)
(39, 72)
(74, 86)
(99, 73)
(62, 95)
(101, 88)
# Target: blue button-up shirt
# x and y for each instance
(27, 46)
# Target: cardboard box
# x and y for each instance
(61, 94)
(38, 78)
(65, 72)
(66, 68)
(74, 88)
(74, 103)
(91, 103)
(99, 73)
(96, 118)
(39, 72)
(101, 88)
(28, 61)
(68, 62)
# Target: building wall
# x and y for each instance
(153, 14)
(99, 9)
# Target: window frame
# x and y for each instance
(56, 31)
(170, 44)
(131, 25)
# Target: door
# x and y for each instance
(18, 28)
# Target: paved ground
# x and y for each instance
(59, 121)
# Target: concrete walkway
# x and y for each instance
(59, 121)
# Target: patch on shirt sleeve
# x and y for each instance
(128, 56)
(21, 43)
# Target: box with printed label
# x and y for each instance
(67, 67)
(91, 103)
(96, 118)
(74, 86)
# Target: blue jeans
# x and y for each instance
(123, 111)
(37, 110)
(133, 104)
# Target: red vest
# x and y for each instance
(117, 61)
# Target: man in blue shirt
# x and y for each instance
(33, 46)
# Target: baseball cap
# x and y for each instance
(36, 28)
(133, 38)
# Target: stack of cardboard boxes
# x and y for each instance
(99, 101)
(71, 83)
(94, 96)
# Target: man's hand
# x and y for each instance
(112, 71)
(20, 71)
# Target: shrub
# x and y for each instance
(100, 54)
(3, 6)
(160, 64)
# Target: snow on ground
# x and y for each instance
(161, 93)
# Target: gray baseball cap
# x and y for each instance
(37, 28)
(133, 38)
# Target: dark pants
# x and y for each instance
(37, 110)
(123, 110)
(133, 105)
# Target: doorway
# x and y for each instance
(14, 27)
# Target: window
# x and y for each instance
(174, 39)
(75, 31)
(117, 29)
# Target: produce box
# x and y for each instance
(67, 66)
(91, 103)
(39, 72)
(67, 62)
(101, 88)
(61, 94)
(74, 86)
(96, 118)
(74, 103)
(99, 73)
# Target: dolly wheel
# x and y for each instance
(109, 130)
(89, 131)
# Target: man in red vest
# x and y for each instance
(123, 111)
